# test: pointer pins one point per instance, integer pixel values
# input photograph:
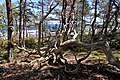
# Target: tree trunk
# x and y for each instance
(107, 20)
(39, 27)
(24, 23)
(81, 35)
(64, 5)
(10, 29)
(26, 32)
(116, 17)
(93, 23)
(42, 26)
(39, 38)
(68, 20)
(20, 24)
(93, 46)
(16, 22)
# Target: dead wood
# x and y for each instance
(93, 46)
(55, 58)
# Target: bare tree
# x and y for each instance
(39, 27)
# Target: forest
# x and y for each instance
(60, 40)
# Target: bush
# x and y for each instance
(77, 49)
(30, 43)
(3, 44)
(115, 44)
(16, 39)
(114, 40)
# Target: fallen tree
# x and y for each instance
(54, 57)
(94, 46)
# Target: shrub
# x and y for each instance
(115, 44)
(114, 40)
(30, 43)
(77, 49)
(3, 44)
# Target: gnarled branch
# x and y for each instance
(93, 46)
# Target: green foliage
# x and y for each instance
(3, 43)
(77, 49)
(98, 55)
(3, 56)
(15, 50)
(16, 39)
(114, 40)
(115, 44)
(30, 43)
(3, 17)
(100, 51)
(69, 36)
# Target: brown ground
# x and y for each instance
(89, 70)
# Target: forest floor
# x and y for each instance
(93, 68)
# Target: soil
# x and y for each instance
(89, 70)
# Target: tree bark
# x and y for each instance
(20, 24)
(68, 20)
(93, 23)
(10, 29)
(39, 28)
(93, 46)
(107, 20)
(24, 23)
(81, 35)
(42, 24)
(64, 5)
(116, 16)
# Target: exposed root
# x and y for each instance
(72, 71)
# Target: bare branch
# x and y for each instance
(39, 30)
(48, 13)
(72, 71)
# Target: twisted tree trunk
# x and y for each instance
(98, 45)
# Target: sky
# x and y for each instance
(2, 1)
